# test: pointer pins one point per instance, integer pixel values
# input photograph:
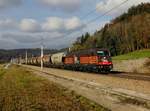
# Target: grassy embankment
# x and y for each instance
(20, 90)
(134, 55)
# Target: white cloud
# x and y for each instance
(66, 5)
(28, 32)
(30, 25)
(8, 24)
(9, 40)
(9, 3)
(106, 5)
(20, 37)
(73, 24)
(53, 24)
(60, 24)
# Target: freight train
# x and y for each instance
(95, 60)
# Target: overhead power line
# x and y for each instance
(105, 13)
(89, 13)
(68, 34)
(98, 17)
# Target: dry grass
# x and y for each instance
(135, 102)
(137, 66)
(22, 91)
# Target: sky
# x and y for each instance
(25, 23)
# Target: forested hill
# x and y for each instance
(6, 55)
(126, 33)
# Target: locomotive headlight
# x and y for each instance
(104, 59)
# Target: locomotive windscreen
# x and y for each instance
(103, 53)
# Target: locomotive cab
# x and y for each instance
(104, 60)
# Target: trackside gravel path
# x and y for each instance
(113, 82)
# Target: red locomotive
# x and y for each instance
(92, 59)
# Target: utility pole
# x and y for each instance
(42, 48)
(26, 57)
(20, 62)
(69, 49)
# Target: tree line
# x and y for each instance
(7, 55)
(126, 33)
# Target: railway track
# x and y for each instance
(130, 76)
(125, 75)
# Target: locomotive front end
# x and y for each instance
(104, 60)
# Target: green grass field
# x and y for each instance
(134, 55)
(20, 90)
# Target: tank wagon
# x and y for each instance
(58, 58)
(96, 60)
(46, 60)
